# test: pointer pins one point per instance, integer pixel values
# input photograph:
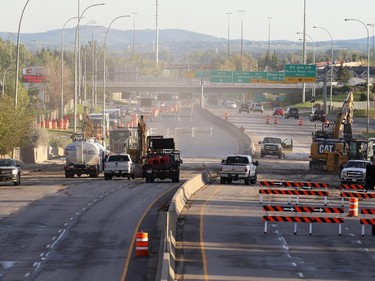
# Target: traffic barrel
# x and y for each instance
(353, 207)
(61, 124)
(226, 115)
(275, 120)
(141, 245)
(300, 121)
(267, 119)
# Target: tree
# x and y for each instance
(343, 74)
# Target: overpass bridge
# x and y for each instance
(198, 86)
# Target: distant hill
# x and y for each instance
(175, 41)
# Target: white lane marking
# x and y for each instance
(61, 234)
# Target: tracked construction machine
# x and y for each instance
(333, 144)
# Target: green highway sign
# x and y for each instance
(241, 77)
(276, 77)
(219, 76)
(299, 73)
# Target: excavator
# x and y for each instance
(333, 145)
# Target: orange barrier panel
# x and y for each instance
(141, 245)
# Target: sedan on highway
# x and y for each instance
(278, 111)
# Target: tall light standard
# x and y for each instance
(3, 82)
(269, 42)
(330, 89)
(313, 45)
(242, 12)
(76, 63)
(157, 33)
(368, 70)
(228, 14)
(62, 69)
(373, 43)
(134, 14)
(18, 57)
(313, 57)
(105, 70)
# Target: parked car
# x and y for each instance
(318, 114)
(244, 107)
(278, 111)
(291, 112)
(258, 107)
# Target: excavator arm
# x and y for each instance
(344, 120)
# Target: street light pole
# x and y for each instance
(269, 42)
(134, 14)
(313, 58)
(76, 63)
(105, 71)
(368, 71)
(242, 12)
(62, 69)
(3, 82)
(18, 57)
(157, 33)
(373, 43)
(228, 14)
(330, 90)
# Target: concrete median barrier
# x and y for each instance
(167, 250)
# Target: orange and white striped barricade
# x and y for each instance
(141, 245)
(368, 221)
(303, 219)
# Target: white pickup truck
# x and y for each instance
(119, 165)
(238, 167)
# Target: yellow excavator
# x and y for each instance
(333, 145)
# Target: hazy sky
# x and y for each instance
(202, 16)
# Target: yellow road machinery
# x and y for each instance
(333, 144)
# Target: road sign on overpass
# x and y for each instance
(300, 73)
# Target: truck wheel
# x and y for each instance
(280, 155)
(222, 180)
(152, 179)
(129, 177)
(133, 176)
(69, 174)
(247, 180)
(147, 180)
(18, 181)
(254, 179)
(229, 180)
(107, 177)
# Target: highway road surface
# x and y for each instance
(223, 235)
(53, 228)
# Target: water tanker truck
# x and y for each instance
(84, 157)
